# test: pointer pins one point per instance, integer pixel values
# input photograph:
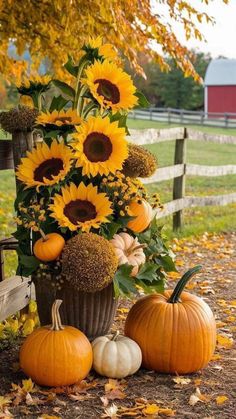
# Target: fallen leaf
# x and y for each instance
(198, 397)
(215, 357)
(217, 367)
(45, 416)
(182, 380)
(221, 399)
(110, 412)
(197, 381)
(114, 389)
(28, 386)
(151, 409)
(4, 401)
(224, 341)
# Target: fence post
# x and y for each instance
(179, 182)
(169, 115)
(226, 120)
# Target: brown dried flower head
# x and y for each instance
(21, 118)
(140, 162)
(89, 262)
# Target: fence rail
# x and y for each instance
(185, 117)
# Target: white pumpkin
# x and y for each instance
(116, 356)
(129, 250)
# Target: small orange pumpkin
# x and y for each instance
(56, 355)
(49, 247)
(176, 331)
(143, 215)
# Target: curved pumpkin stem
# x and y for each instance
(115, 336)
(175, 296)
(56, 319)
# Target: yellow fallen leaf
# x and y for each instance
(230, 318)
(111, 411)
(123, 310)
(28, 327)
(32, 306)
(151, 409)
(28, 386)
(166, 412)
(221, 399)
(198, 397)
(182, 380)
(224, 341)
(45, 416)
(215, 357)
(4, 401)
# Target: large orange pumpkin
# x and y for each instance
(49, 247)
(142, 211)
(56, 355)
(176, 330)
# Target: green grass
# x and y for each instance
(142, 124)
(197, 220)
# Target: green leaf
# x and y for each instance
(147, 272)
(124, 284)
(29, 261)
(58, 103)
(52, 134)
(142, 100)
(166, 262)
(110, 229)
(65, 88)
(71, 67)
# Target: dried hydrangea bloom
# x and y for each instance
(140, 162)
(89, 262)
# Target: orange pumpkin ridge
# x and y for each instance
(175, 336)
(56, 355)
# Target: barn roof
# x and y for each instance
(221, 72)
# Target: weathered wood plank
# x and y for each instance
(195, 201)
(165, 173)
(198, 170)
(153, 136)
(15, 294)
(179, 182)
(214, 138)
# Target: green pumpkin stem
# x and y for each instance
(175, 296)
(56, 319)
(115, 336)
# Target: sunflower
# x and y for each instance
(100, 146)
(111, 86)
(36, 83)
(80, 207)
(59, 118)
(45, 165)
(104, 50)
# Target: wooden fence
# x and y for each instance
(16, 292)
(181, 169)
(185, 117)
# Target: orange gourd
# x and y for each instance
(56, 355)
(143, 215)
(49, 247)
(176, 331)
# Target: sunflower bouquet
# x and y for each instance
(85, 219)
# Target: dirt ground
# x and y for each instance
(147, 392)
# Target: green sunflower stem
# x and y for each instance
(82, 64)
(88, 109)
(80, 103)
(175, 296)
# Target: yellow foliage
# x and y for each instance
(131, 26)
(20, 325)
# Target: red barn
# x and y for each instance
(220, 86)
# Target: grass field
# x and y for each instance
(197, 220)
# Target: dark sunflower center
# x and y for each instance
(65, 119)
(97, 147)
(108, 90)
(80, 211)
(48, 169)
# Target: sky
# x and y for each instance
(220, 38)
